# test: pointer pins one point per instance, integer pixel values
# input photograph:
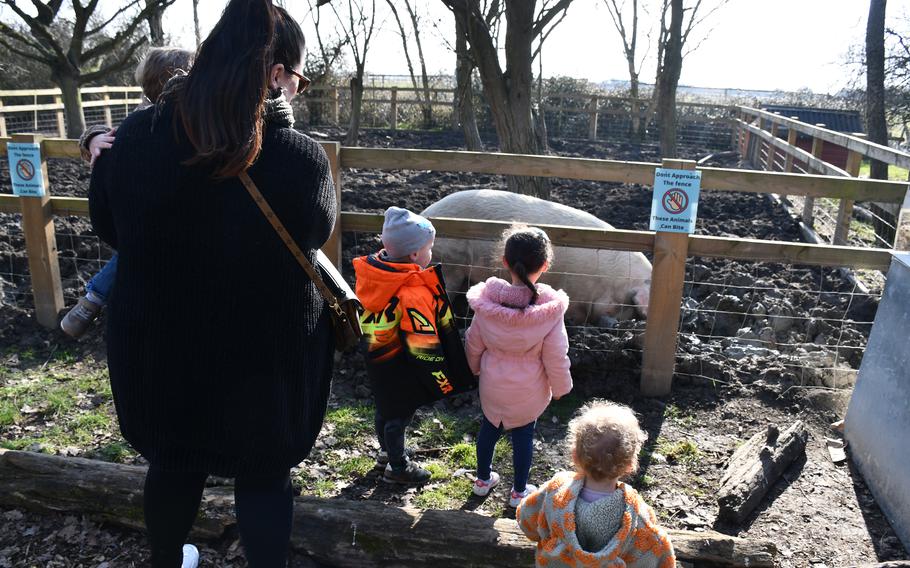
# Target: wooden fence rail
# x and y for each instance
(758, 133)
(657, 381)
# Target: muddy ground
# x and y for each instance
(760, 343)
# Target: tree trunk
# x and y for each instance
(672, 67)
(196, 23)
(876, 126)
(338, 532)
(72, 103)
(636, 133)
(755, 467)
(156, 28)
(509, 93)
(356, 104)
(464, 98)
(427, 106)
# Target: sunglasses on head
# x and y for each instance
(303, 81)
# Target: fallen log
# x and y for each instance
(336, 531)
(887, 564)
(755, 467)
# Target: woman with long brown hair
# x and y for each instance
(219, 346)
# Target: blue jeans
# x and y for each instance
(522, 449)
(102, 283)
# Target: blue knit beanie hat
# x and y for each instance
(404, 232)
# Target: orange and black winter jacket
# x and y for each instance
(414, 354)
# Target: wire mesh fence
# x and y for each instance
(80, 253)
(788, 325)
(15, 282)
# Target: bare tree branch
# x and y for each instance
(112, 44)
(122, 63)
(548, 16)
(112, 18)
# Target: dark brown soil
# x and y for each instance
(761, 343)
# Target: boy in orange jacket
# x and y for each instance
(414, 353)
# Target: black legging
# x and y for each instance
(264, 507)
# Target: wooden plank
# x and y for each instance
(51, 148)
(615, 239)
(332, 247)
(3, 133)
(29, 92)
(61, 125)
(789, 253)
(661, 332)
(814, 161)
(792, 134)
(864, 147)
(108, 119)
(769, 159)
(335, 105)
(718, 179)
(818, 146)
(41, 248)
(845, 207)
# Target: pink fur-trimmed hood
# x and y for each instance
(520, 354)
(496, 299)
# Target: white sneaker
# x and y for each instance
(516, 497)
(482, 488)
(190, 556)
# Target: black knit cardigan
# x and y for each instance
(219, 347)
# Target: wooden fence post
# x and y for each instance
(332, 247)
(818, 145)
(108, 120)
(335, 105)
(772, 151)
(394, 108)
(41, 248)
(845, 209)
(791, 141)
(3, 133)
(592, 122)
(667, 277)
(61, 125)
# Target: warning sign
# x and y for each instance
(25, 168)
(675, 202)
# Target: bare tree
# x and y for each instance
(357, 28)
(683, 42)
(509, 91)
(196, 23)
(85, 54)
(156, 28)
(415, 23)
(672, 67)
(423, 98)
(628, 32)
(876, 125)
(464, 90)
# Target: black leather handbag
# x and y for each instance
(343, 303)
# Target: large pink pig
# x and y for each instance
(603, 285)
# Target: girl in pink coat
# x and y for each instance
(518, 345)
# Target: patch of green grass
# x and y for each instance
(356, 466)
(324, 488)
(447, 495)
(440, 429)
(17, 444)
(862, 231)
(350, 423)
(462, 455)
(565, 407)
(683, 451)
(438, 471)
(502, 451)
(679, 415)
(117, 452)
(644, 481)
(895, 173)
(60, 401)
(9, 413)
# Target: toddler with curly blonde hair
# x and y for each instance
(589, 517)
